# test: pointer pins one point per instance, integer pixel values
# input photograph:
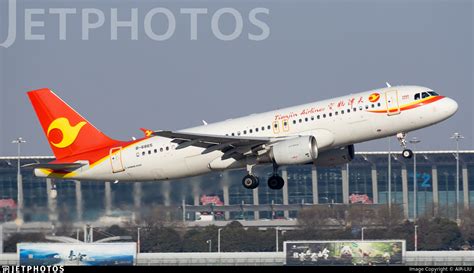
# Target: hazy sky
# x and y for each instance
(316, 50)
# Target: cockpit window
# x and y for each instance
(425, 95)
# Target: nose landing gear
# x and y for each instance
(407, 153)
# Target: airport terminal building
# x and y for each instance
(364, 180)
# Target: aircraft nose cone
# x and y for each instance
(451, 106)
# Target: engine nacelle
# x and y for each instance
(300, 150)
(335, 157)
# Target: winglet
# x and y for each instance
(388, 85)
(147, 132)
(204, 122)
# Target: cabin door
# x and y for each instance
(116, 160)
(391, 98)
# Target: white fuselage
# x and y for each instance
(156, 158)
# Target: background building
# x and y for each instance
(364, 180)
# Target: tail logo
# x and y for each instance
(61, 134)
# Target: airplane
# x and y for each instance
(320, 133)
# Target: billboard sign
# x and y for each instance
(76, 253)
(344, 252)
(215, 200)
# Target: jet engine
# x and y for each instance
(335, 157)
(300, 150)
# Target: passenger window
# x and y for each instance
(417, 96)
(263, 128)
(337, 113)
(355, 109)
(360, 108)
(319, 117)
(294, 121)
(378, 104)
(312, 117)
(300, 120)
(324, 115)
(330, 114)
(425, 95)
(161, 149)
(245, 132)
(306, 119)
(149, 152)
(238, 133)
(167, 148)
(366, 107)
(143, 153)
(256, 129)
(233, 134)
(373, 105)
(269, 127)
(155, 151)
(348, 111)
(250, 131)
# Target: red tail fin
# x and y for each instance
(68, 133)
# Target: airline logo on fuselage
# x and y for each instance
(374, 97)
(61, 134)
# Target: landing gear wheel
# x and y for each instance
(275, 182)
(250, 181)
(407, 153)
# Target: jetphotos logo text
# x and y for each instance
(93, 19)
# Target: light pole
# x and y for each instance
(389, 176)
(362, 233)
(209, 242)
(457, 137)
(138, 239)
(19, 213)
(416, 237)
(414, 141)
(219, 240)
(276, 238)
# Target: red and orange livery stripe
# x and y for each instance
(410, 106)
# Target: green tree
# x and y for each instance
(438, 234)
(160, 239)
(10, 244)
(195, 239)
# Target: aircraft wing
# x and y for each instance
(230, 145)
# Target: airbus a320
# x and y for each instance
(321, 133)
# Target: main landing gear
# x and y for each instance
(275, 182)
(407, 153)
(250, 181)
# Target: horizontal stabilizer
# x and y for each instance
(56, 167)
